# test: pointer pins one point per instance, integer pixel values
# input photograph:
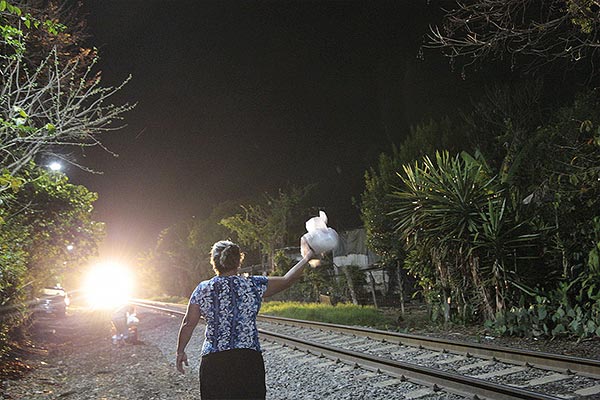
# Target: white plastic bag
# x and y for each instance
(132, 319)
(319, 237)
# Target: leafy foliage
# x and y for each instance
(181, 258)
(478, 234)
(441, 209)
(50, 99)
(47, 230)
(12, 35)
(424, 139)
(50, 96)
(572, 185)
(499, 125)
(379, 182)
(554, 315)
(269, 224)
(58, 218)
(13, 278)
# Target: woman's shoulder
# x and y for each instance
(202, 291)
(205, 285)
(257, 279)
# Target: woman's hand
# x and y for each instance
(181, 359)
(305, 249)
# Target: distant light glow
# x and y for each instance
(108, 285)
(55, 166)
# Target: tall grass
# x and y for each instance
(342, 313)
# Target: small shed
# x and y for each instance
(353, 250)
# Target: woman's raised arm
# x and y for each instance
(278, 283)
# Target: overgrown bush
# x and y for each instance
(314, 281)
(549, 318)
(12, 295)
(321, 280)
(573, 308)
(463, 233)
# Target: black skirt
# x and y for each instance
(232, 374)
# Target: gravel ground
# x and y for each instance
(74, 359)
(586, 348)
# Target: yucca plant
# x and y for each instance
(499, 243)
(444, 197)
(440, 206)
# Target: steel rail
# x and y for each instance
(437, 379)
(153, 305)
(556, 362)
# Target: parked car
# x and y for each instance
(53, 300)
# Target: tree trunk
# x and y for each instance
(447, 299)
(271, 261)
(400, 287)
(444, 275)
(372, 281)
(263, 261)
(499, 282)
(487, 304)
(350, 285)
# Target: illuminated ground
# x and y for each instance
(79, 361)
(74, 359)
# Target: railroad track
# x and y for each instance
(464, 369)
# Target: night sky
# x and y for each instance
(238, 98)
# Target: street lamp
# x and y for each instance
(55, 166)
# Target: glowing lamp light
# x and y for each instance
(108, 286)
(55, 166)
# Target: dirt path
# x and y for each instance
(74, 359)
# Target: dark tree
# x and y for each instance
(529, 34)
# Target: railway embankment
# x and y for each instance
(74, 358)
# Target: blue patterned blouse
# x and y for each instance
(229, 304)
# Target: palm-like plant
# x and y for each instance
(440, 207)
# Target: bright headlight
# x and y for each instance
(108, 285)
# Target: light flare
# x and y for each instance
(108, 285)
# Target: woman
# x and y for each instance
(232, 366)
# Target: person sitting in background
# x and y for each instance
(119, 322)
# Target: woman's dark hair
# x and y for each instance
(225, 256)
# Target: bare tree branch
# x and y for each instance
(53, 106)
(529, 33)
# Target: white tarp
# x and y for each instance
(352, 250)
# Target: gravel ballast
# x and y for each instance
(74, 359)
